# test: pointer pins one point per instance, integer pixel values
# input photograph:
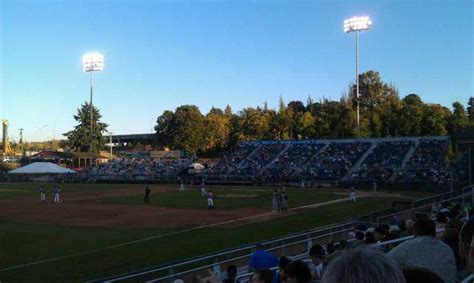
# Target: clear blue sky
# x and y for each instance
(162, 54)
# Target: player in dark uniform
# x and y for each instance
(147, 195)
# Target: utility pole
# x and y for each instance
(21, 142)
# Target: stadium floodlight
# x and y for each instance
(92, 62)
(357, 24)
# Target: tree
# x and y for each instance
(219, 128)
(458, 120)
(80, 138)
(162, 128)
(434, 120)
(411, 115)
(187, 130)
(470, 110)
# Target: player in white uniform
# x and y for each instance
(352, 194)
(210, 200)
(181, 186)
(57, 196)
(42, 193)
(275, 201)
(203, 189)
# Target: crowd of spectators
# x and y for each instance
(373, 254)
(229, 163)
(252, 164)
(382, 162)
(137, 168)
(292, 164)
(427, 165)
(333, 162)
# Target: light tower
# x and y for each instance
(92, 62)
(357, 24)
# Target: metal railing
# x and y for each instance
(215, 260)
(409, 213)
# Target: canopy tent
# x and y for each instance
(42, 168)
(196, 166)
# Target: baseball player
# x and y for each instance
(284, 201)
(210, 200)
(57, 195)
(181, 186)
(147, 195)
(275, 201)
(42, 193)
(203, 189)
(352, 194)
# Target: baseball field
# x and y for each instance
(100, 230)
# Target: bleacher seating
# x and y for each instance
(382, 162)
(335, 160)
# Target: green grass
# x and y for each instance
(225, 198)
(22, 243)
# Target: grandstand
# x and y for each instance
(408, 161)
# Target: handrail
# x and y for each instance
(243, 256)
(424, 206)
(227, 252)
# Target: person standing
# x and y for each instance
(284, 201)
(181, 186)
(203, 189)
(210, 200)
(147, 195)
(374, 187)
(352, 194)
(54, 194)
(42, 193)
(275, 201)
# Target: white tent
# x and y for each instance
(42, 168)
(196, 166)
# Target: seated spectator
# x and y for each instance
(369, 238)
(262, 259)
(417, 275)
(363, 265)
(342, 244)
(262, 276)
(282, 264)
(465, 250)
(317, 255)
(231, 274)
(426, 251)
(297, 272)
(409, 228)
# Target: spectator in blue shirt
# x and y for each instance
(262, 259)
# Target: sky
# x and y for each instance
(163, 54)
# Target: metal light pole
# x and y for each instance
(357, 24)
(92, 62)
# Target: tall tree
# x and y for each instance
(162, 128)
(219, 128)
(80, 137)
(458, 120)
(187, 129)
(470, 110)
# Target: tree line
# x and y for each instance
(382, 114)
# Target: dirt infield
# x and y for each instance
(85, 209)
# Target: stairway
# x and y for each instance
(359, 162)
(406, 158)
(273, 160)
(249, 155)
(316, 154)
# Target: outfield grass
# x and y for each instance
(23, 243)
(225, 198)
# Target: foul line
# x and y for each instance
(170, 234)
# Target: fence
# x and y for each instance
(195, 265)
